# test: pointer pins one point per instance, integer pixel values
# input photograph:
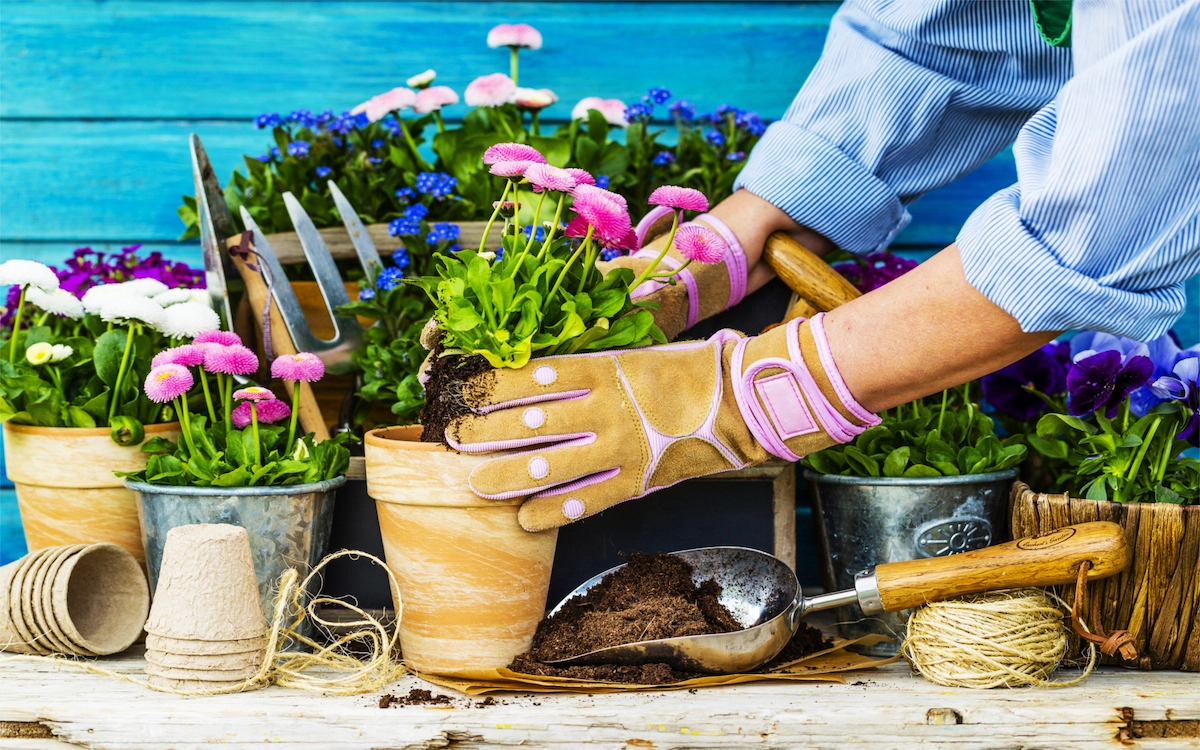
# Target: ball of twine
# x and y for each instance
(1011, 638)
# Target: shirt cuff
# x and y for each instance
(823, 189)
(1010, 265)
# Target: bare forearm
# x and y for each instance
(921, 333)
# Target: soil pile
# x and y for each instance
(451, 379)
(415, 697)
(652, 597)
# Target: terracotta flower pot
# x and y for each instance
(473, 583)
(1158, 598)
(66, 490)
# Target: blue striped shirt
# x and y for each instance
(1103, 225)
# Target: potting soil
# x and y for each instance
(652, 597)
(451, 380)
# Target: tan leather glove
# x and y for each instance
(580, 433)
(700, 290)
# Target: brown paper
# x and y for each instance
(100, 599)
(824, 666)
(47, 598)
(210, 662)
(207, 589)
(190, 647)
(201, 675)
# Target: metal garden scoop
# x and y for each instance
(763, 594)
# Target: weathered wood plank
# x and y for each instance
(235, 60)
(884, 708)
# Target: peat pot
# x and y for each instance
(288, 526)
(1158, 598)
(865, 521)
(472, 582)
(66, 489)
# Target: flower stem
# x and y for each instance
(12, 344)
(942, 413)
(649, 270)
(441, 125)
(185, 423)
(116, 397)
(488, 229)
(553, 227)
(533, 122)
(295, 413)
(1131, 476)
(212, 415)
(513, 62)
(254, 427)
(227, 399)
(517, 206)
(587, 240)
(412, 145)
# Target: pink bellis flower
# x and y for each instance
(253, 393)
(513, 170)
(188, 355)
(304, 366)
(493, 90)
(390, 101)
(605, 213)
(269, 412)
(582, 176)
(613, 110)
(433, 99)
(230, 360)
(224, 338)
(700, 244)
(546, 177)
(512, 152)
(534, 98)
(679, 198)
(168, 382)
(515, 36)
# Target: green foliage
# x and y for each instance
(1124, 459)
(941, 435)
(229, 458)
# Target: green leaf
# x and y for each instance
(80, 417)
(1167, 495)
(110, 348)
(921, 471)
(894, 465)
(862, 464)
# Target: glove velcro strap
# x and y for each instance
(787, 404)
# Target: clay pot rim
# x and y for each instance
(401, 437)
(1004, 475)
(325, 485)
(29, 429)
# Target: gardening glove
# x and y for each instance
(583, 432)
(700, 290)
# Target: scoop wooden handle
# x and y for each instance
(1048, 559)
(806, 274)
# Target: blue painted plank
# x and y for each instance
(56, 253)
(224, 59)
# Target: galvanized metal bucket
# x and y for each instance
(288, 526)
(865, 521)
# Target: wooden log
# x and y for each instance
(287, 244)
(1158, 598)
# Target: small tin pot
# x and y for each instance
(288, 526)
(866, 521)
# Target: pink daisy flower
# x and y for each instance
(613, 110)
(304, 367)
(576, 227)
(609, 218)
(585, 189)
(700, 244)
(582, 176)
(490, 91)
(534, 98)
(224, 338)
(230, 360)
(168, 382)
(269, 412)
(513, 170)
(433, 99)
(512, 152)
(377, 106)
(188, 355)
(682, 198)
(546, 177)
(514, 35)
(253, 393)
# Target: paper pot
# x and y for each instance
(10, 639)
(187, 646)
(66, 490)
(47, 599)
(31, 596)
(288, 526)
(206, 588)
(201, 675)
(16, 616)
(192, 686)
(248, 660)
(100, 598)
(473, 583)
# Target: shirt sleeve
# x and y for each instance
(1103, 226)
(906, 97)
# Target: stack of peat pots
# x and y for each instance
(206, 629)
(75, 600)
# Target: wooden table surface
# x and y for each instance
(882, 708)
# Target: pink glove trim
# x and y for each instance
(578, 484)
(689, 281)
(648, 221)
(817, 326)
(735, 259)
(507, 445)
(538, 399)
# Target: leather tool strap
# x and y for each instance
(1118, 641)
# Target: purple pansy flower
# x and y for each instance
(1182, 385)
(1008, 389)
(1102, 380)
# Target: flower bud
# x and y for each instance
(39, 353)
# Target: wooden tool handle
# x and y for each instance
(806, 274)
(1048, 559)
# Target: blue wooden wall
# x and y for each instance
(97, 98)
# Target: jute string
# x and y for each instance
(302, 670)
(1010, 638)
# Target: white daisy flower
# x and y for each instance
(189, 320)
(39, 353)
(421, 80)
(201, 296)
(173, 296)
(60, 352)
(57, 302)
(143, 287)
(93, 299)
(26, 273)
(126, 309)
